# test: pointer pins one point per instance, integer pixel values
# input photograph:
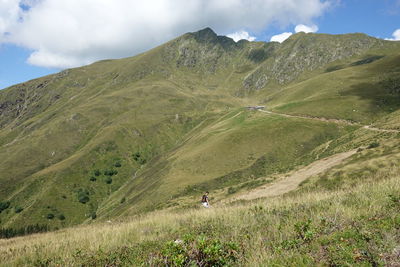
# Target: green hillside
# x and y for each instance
(134, 135)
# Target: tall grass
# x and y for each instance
(357, 226)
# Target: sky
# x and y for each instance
(40, 37)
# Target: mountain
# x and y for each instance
(128, 136)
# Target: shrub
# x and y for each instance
(50, 216)
(97, 173)
(83, 199)
(139, 158)
(61, 217)
(4, 205)
(394, 200)
(108, 180)
(373, 145)
(123, 200)
(18, 209)
(30, 229)
(304, 231)
(136, 156)
(83, 196)
(110, 172)
(209, 252)
(117, 164)
(232, 190)
(93, 179)
(93, 215)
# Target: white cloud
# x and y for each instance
(75, 32)
(396, 36)
(299, 28)
(240, 35)
(9, 14)
(305, 28)
(281, 37)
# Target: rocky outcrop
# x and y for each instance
(307, 52)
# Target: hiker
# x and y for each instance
(204, 200)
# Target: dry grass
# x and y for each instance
(258, 226)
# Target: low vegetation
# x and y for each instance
(348, 227)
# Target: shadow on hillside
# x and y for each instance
(383, 95)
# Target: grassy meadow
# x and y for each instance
(356, 226)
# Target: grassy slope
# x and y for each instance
(356, 226)
(362, 93)
(175, 106)
(240, 147)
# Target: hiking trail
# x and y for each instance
(291, 182)
(338, 121)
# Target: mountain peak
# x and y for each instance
(206, 34)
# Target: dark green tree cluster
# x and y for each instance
(30, 229)
(107, 172)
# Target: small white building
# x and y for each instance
(255, 107)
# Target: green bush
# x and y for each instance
(4, 205)
(18, 209)
(117, 164)
(83, 199)
(61, 217)
(304, 231)
(50, 216)
(108, 180)
(373, 145)
(232, 190)
(110, 172)
(190, 252)
(93, 179)
(394, 200)
(139, 158)
(93, 215)
(97, 173)
(83, 196)
(123, 200)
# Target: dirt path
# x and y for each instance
(332, 120)
(290, 183)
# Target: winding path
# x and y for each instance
(291, 182)
(338, 121)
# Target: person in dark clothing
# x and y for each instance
(204, 200)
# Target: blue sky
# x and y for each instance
(29, 54)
